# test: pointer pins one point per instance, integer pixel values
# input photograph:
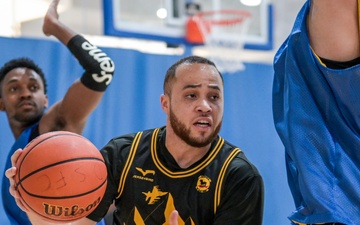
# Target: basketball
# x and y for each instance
(61, 176)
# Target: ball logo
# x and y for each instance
(203, 184)
(75, 210)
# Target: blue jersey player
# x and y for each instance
(23, 97)
(316, 106)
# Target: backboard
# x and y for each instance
(165, 20)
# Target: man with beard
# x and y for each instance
(184, 169)
(23, 97)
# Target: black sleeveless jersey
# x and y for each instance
(146, 184)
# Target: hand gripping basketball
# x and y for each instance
(61, 176)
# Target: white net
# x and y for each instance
(223, 33)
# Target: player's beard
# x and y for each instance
(184, 133)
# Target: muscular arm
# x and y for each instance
(72, 111)
(334, 29)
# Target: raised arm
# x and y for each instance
(84, 95)
(334, 29)
(53, 27)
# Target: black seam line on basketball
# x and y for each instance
(65, 197)
(70, 134)
(53, 136)
(54, 164)
(40, 143)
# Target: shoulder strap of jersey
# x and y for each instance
(219, 183)
(129, 161)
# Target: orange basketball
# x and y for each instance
(61, 176)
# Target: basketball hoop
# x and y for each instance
(221, 37)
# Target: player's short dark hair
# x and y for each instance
(22, 62)
(170, 73)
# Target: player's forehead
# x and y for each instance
(198, 73)
(21, 74)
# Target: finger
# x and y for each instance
(55, 3)
(52, 10)
(174, 217)
(11, 172)
(14, 192)
(21, 204)
(15, 156)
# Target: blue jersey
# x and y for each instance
(316, 114)
(15, 215)
(13, 212)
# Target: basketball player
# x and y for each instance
(184, 167)
(23, 96)
(316, 104)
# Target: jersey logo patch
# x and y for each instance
(145, 172)
(203, 184)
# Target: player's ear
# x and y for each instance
(164, 100)
(46, 101)
(2, 106)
